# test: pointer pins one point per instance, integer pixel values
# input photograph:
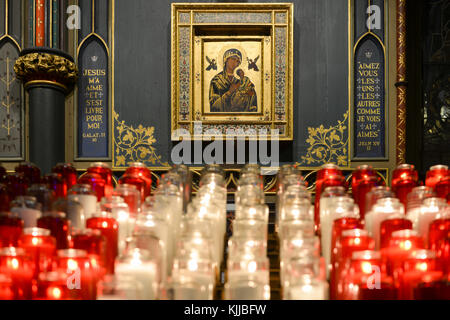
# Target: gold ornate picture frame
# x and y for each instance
(232, 69)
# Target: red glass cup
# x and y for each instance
(105, 172)
(350, 241)
(40, 246)
(31, 172)
(366, 279)
(135, 180)
(68, 172)
(92, 241)
(139, 169)
(96, 182)
(394, 223)
(55, 182)
(130, 194)
(401, 243)
(404, 179)
(442, 188)
(442, 249)
(419, 267)
(53, 286)
(342, 224)
(15, 264)
(43, 195)
(439, 230)
(17, 184)
(5, 198)
(362, 172)
(364, 186)
(432, 290)
(6, 288)
(108, 227)
(10, 229)
(58, 225)
(435, 174)
(80, 273)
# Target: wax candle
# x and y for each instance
(10, 229)
(435, 174)
(372, 197)
(84, 194)
(439, 230)
(68, 172)
(414, 202)
(108, 227)
(40, 246)
(137, 265)
(384, 208)
(431, 209)
(15, 264)
(443, 189)
(364, 187)
(28, 209)
(325, 171)
(393, 223)
(59, 227)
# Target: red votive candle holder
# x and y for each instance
(6, 285)
(366, 278)
(363, 187)
(105, 172)
(135, 180)
(404, 179)
(40, 246)
(92, 241)
(10, 229)
(375, 194)
(81, 275)
(439, 230)
(109, 228)
(401, 243)
(54, 286)
(420, 266)
(433, 290)
(5, 198)
(96, 182)
(58, 225)
(31, 172)
(362, 172)
(68, 172)
(393, 223)
(442, 189)
(56, 182)
(141, 170)
(350, 241)
(15, 264)
(17, 184)
(435, 174)
(130, 194)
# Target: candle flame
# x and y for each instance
(366, 267)
(422, 266)
(72, 264)
(35, 241)
(54, 292)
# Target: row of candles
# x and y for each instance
(69, 237)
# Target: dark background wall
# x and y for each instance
(143, 66)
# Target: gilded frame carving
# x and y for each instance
(270, 24)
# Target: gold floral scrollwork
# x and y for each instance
(34, 67)
(327, 145)
(134, 144)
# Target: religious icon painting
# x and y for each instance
(232, 68)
